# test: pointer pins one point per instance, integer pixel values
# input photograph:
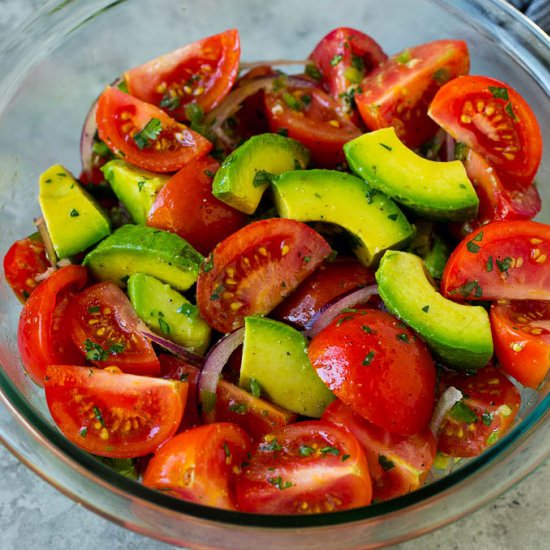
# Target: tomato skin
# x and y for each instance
(252, 270)
(329, 281)
(108, 413)
(209, 66)
(24, 260)
(103, 318)
(120, 117)
(494, 120)
(399, 91)
(521, 333)
(283, 478)
(317, 125)
(398, 465)
(492, 398)
(198, 465)
(500, 261)
(347, 45)
(41, 338)
(361, 356)
(186, 206)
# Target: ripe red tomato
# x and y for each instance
(186, 206)
(397, 464)
(378, 367)
(500, 261)
(484, 415)
(252, 270)
(144, 134)
(304, 468)
(104, 326)
(42, 336)
(491, 118)
(399, 91)
(310, 116)
(108, 413)
(24, 260)
(521, 333)
(202, 72)
(330, 280)
(200, 464)
(344, 57)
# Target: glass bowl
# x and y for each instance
(54, 67)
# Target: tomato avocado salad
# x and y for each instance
(290, 293)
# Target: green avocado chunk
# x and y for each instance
(374, 220)
(141, 249)
(246, 173)
(459, 335)
(74, 220)
(168, 313)
(275, 356)
(439, 191)
(135, 188)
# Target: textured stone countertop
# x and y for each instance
(34, 515)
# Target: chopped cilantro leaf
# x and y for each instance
(189, 310)
(313, 72)
(238, 408)
(404, 57)
(498, 92)
(504, 265)
(170, 102)
(279, 483)
(74, 213)
(270, 446)
(335, 60)
(489, 264)
(255, 388)
(462, 413)
(98, 416)
(292, 102)
(387, 147)
(150, 132)
(368, 358)
(487, 418)
(306, 450)
(330, 451)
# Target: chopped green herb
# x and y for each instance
(83, 432)
(164, 326)
(208, 173)
(489, 264)
(498, 92)
(385, 462)
(404, 57)
(510, 111)
(255, 388)
(393, 217)
(292, 102)
(387, 147)
(368, 358)
(425, 309)
(216, 295)
(493, 438)
(442, 75)
(335, 60)
(74, 213)
(462, 413)
(307, 259)
(306, 450)
(504, 265)
(472, 247)
(461, 151)
(208, 264)
(367, 329)
(100, 149)
(94, 309)
(467, 289)
(306, 99)
(313, 72)
(238, 408)
(487, 418)
(98, 416)
(403, 337)
(170, 102)
(226, 450)
(478, 238)
(357, 62)
(345, 457)
(150, 132)
(189, 310)
(278, 482)
(330, 451)
(283, 132)
(370, 194)
(122, 86)
(271, 446)
(332, 256)
(194, 113)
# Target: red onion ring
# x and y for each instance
(40, 224)
(213, 366)
(176, 349)
(329, 312)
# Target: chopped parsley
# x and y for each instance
(255, 388)
(170, 102)
(462, 413)
(393, 217)
(306, 450)
(208, 173)
(194, 113)
(292, 102)
(330, 451)
(94, 309)
(493, 438)
(404, 57)
(279, 483)
(498, 92)
(367, 329)
(95, 352)
(164, 326)
(467, 289)
(403, 337)
(345, 457)
(357, 62)
(187, 309)
(270, 446)
(504, 265)
(150, 132)
(387, 147)
(510, 111)
(216, 295)
(98, 416)
(238, 408)
(385, 463)
(262, 177)
(208, 264)
(442, 75)
(100, 149)
(74, 213)
(283, 132)
(487, 418)
(313, 72)
(425, 309)
(368, 358)
(489, 264)
(140, 184)
(335, 60)
(226, 450)
(83, 432)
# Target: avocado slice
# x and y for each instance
(168, 313)
(439, 191)
(141, 249)
(135, 188)
(74, 220)
(275, 356)
(459, 335)
(246, 173)
(374, 220)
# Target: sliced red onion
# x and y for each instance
(327, 314)
(172, 347)
(215, 362)
(40, 224)
(450, 147)
(450, 397)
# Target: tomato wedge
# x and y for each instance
(500, 261)
(494, 120)
(104, 326)
(144, 134)
(521, 332)
(305, 468)
(108, 413)
(42, 337)
(397, 464)
(202, 73)
(186, 206)
(310, 116)
(399, 91)
(487, 411)
(252, 270)
(200, 464)
(24, 260)
(378, 367)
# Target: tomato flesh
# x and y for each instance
(494, 120)
(199, 464)
(252, 270)
(305, 468)
(108, 413)
(379, 368)
(487, 411)
(202, 73)
(399, 91)
(397, 464)
(500, 261)
(186, 206)
(104, 326)
(521, 333)
(144, 134)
